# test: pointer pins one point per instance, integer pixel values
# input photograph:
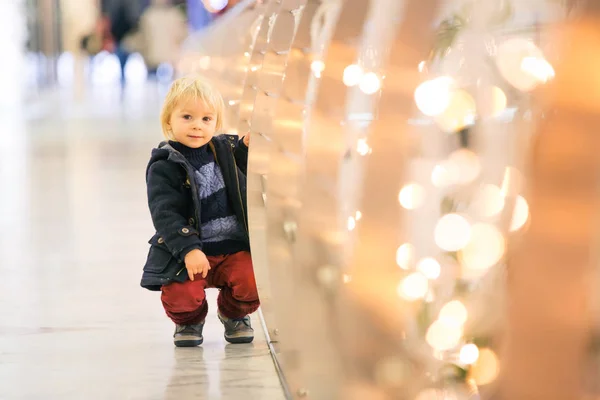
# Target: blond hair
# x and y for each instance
(191, 87)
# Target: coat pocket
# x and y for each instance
(160, 260)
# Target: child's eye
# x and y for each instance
(207, 119)
(187, 117)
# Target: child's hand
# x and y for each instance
(246, 139)
(196, 263)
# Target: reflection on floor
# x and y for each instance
(74, 323)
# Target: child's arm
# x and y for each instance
(166, 201)
(241, 153)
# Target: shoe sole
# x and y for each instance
(239, 340)
(188, 342)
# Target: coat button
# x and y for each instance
(161, 240)
(185, 230)
(191, 221)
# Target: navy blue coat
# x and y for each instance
(175, 205)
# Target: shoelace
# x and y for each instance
(244, 320)
(188, 329)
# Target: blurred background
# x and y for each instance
(422, 188)
(97, 42)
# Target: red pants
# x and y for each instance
(185, 303)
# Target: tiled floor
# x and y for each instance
(74, 323)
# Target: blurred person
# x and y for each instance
(161, 31)
(196, 185)
(100, 39)
(122, 24)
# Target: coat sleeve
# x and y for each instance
(240, 152)
(166, 201)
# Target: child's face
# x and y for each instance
(193, 123)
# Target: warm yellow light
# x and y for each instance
(464, 166)
(513, 182)
(520, 214)
(443, 335)
(411, 196)
(522, 64)
(452, 232)
(429, 267)
(486, 368)
(362, 147)
(495, 102)
(351, 223)
(454, 312)
(317, 67)
(347, 278)
(413, 287)
(433, 97)
(357, 215)
(444, 174)
(370, 83)
(488, 201)
(352, 75)
(484, 250)
(539, 68)
(461, 112)
(469, 354)
(405, 256)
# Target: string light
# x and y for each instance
(429, 267)
(523, 64)
(484, 249)
(459, 113)
(454, 312)
(352, 75)
(317, 67)
(443, 335)
(495, 103)
(362, 147)
(405, 256)
(370, 83)
(351, 224)
(520, 214)
(411, 196)
(469, 354)
(445, 174)
(538, 68)
(488, 201)
(433, 97)
(413, 287)
(486, 369)
(464, 166)
(452, 232)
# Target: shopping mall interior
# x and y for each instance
(421, 199)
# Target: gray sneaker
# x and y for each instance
(188, 335)
(238, 330)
